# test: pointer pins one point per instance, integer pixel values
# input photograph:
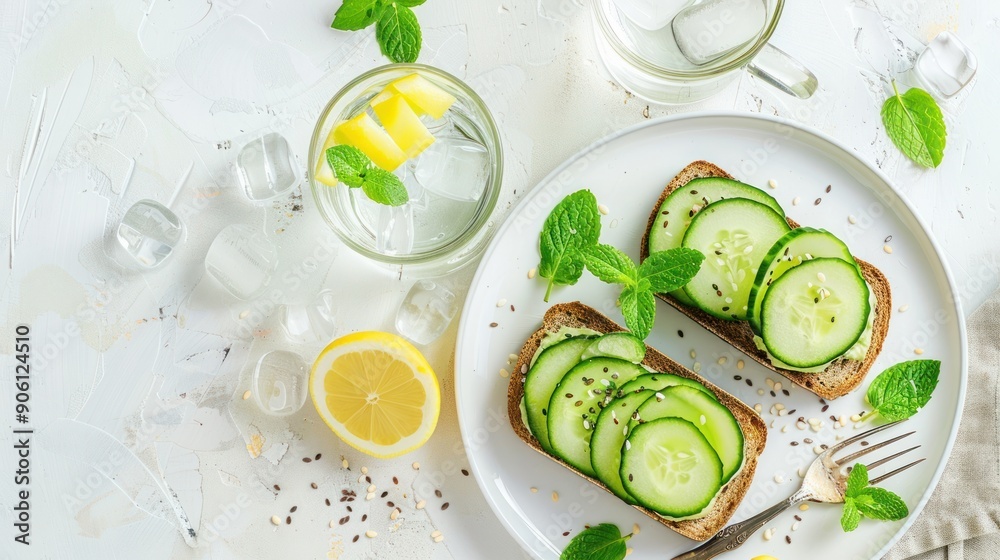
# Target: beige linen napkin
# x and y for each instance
(962, 518)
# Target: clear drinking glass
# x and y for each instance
(696, 49)
(453, 185)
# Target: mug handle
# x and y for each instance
(775, 67)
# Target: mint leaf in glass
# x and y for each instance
(611, 265)
(903, 389)
(349, 164)
(571, 228)
(671, 269)
(600, 542)
(398, 33)
(915, 125)
(384, 187)
(356, 14)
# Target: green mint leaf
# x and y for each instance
(915, 125)
(879, 503)
(349, 164)
(356, 14)
(851, 518)
(900, 391)
(610, 265)
(384, 187)
(398, 33)
(857, 481)
(671, 269)
(638, 309)
(410, 3)
(600, 542)
(572, 227)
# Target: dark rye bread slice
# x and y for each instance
(578, 315)
(843, 375)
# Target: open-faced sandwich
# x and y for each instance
(630, 419)
(792, 298)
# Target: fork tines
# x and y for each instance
(860, 437)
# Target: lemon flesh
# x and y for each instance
(363, 133)
(403, 125)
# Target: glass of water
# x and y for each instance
(681, 51)
(453, 184)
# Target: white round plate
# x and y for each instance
(627, 172)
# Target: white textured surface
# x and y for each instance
(144, 98)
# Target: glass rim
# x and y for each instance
(636, 60)
(491, 191)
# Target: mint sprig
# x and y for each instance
(397, 29)
(573, 227)
(662, 272)
(903, 389)
(861, 500)
(355, 169)
(915, 125)
(600, 542)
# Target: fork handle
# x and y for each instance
(733, 536)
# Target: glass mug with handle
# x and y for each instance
(680, 51)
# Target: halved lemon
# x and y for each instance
(376, 392)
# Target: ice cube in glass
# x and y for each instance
(651, 14)
(946, 66)
(280, 383)
(310, 322)
(713, 29)
(265, 167)
(394, 229)
(242, 259)
(454, 167)
(147, 235)
(426, 312)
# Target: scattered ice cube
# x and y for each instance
(394, 229)
(712, 29)
(651, 14)
(946, 65)
(426, 312)
(280, 383)
(454, 167)
(311, 322)
(438, 127)
(265, 167)
(242, 259)
(147, 235)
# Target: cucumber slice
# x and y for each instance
(734, 235)
(611, 427)
(680, 206)
(658, 381)
(576, 402)
(713, 419)
(548, 369)
(799, 245)
(622, 345)
(815, 312)
(669, 467)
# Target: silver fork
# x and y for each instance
(824, 482)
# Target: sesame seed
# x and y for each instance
(777, 386)
(421, 504)
(768, 534)
(778, 479)
(784, 430)
(437, 493)
(722, 361)
(371, 534)
(697, 367)
(818, 200)
(288, 520)
(772, 183)
(795, 201)
(851, 219)
(344, 463)
(494, 324)
(439, 538)
(313, 485)
(416, 466)
(918, 351)
(504, 373)
(534, 490)
(246, 394)
(307, 460)
(278, 488)
(371, 488)
(275, 520)
(602, 209)
(364, 470)
(394, 514)
(555, 496)
(804, 507)
(332, 525)
(635, 529)
(887, 249)
(795, 526)
(740, 364)
(444, 506)
(769, 382)
(531, 273)
(435, 534)
(693, 354)
(501, 302)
